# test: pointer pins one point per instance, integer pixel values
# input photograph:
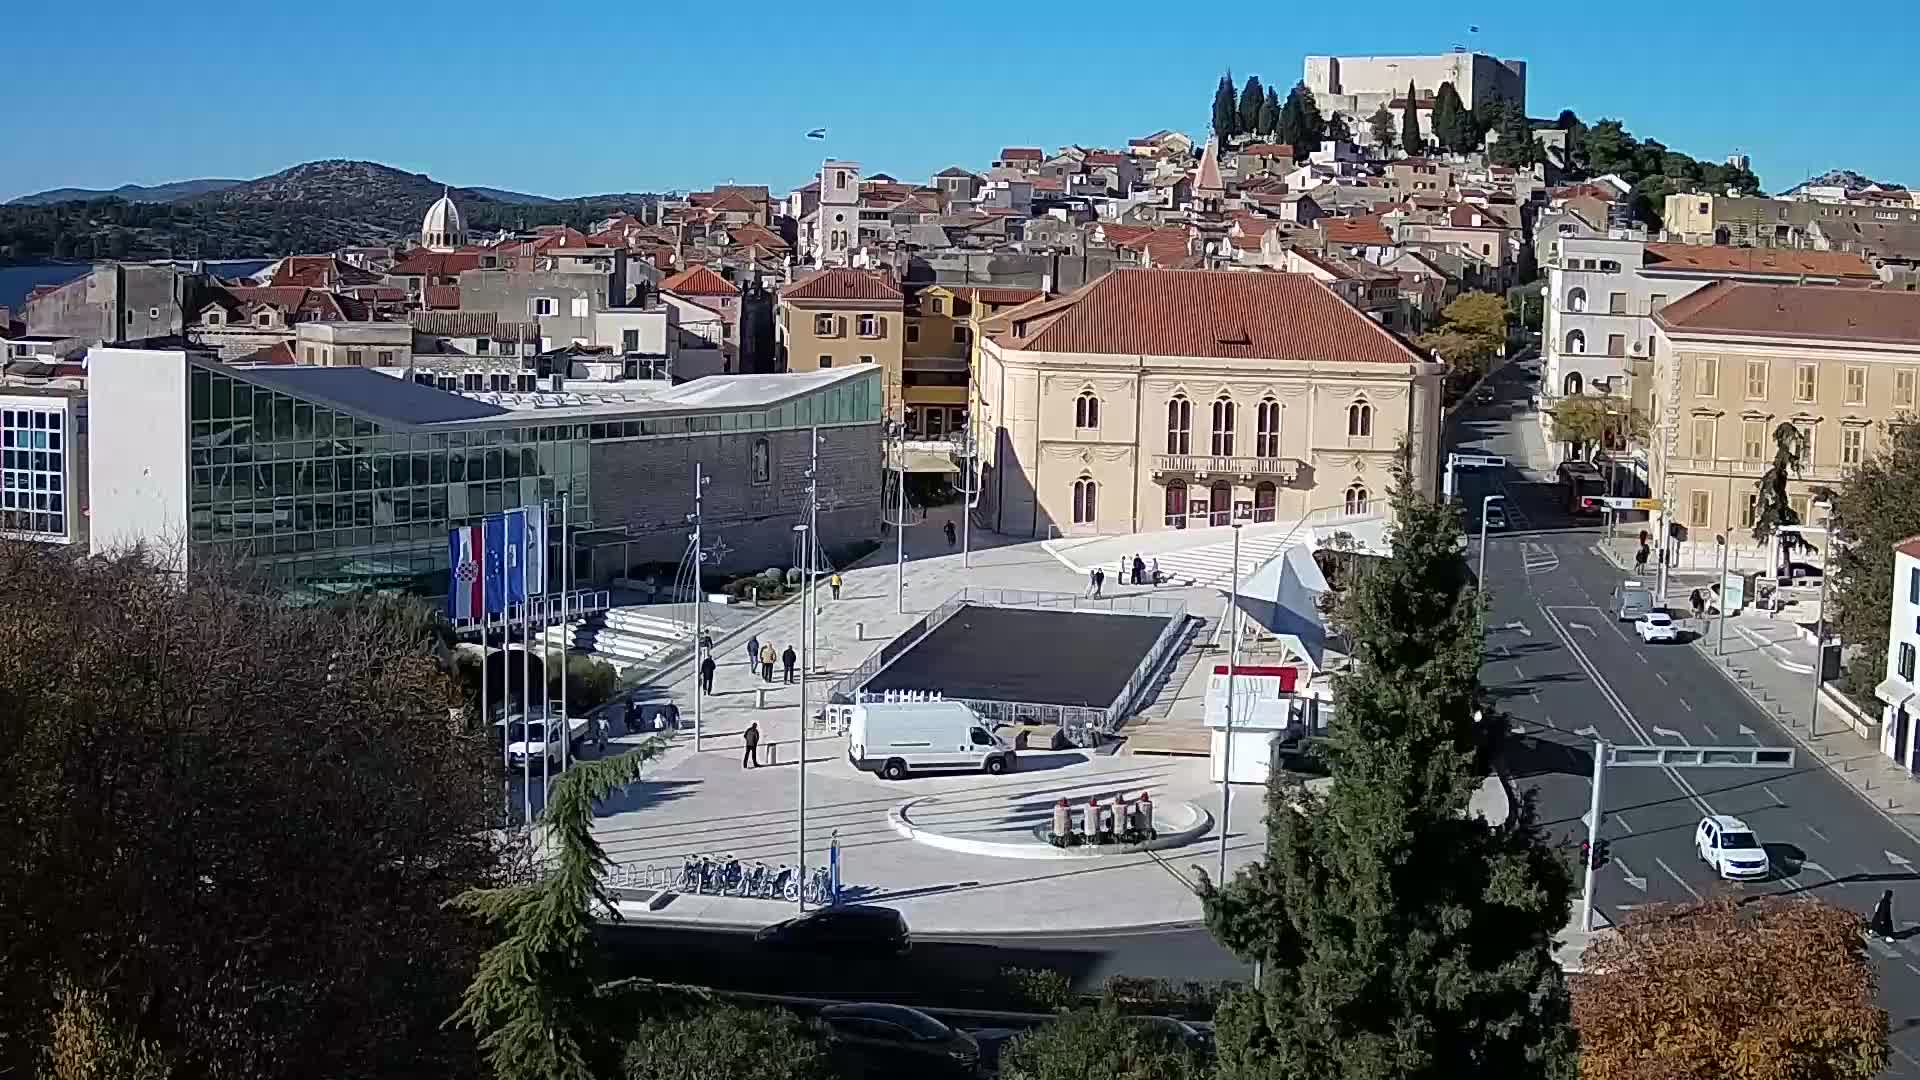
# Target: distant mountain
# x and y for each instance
(314, 207)
(158, 193)
(1846, 178)
(518, 198)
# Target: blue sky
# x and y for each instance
(576, 98)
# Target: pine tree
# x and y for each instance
(1270, 113)
(538, 1000)
(1252, 97)
(1313, 128)
(1399, 934)
(1516, 146)
(1451, 125)
(1292, 125)
(1337, 129)
(1410, 139)
(1380, 126)
(1226, 114)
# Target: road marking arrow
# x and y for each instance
(1583, 626)
(1747, 731)
(1520, 628)
(1639, 883)
(1589, 731)
(1669, 733)
(1898, 860)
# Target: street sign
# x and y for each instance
(1700, 757)
(1477, 461)
(1617, 502)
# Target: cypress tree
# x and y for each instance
(1312, 127)
(1270, 113)
(1400, 935)
(1410, 139)
(1226, 115)
(1337, 129)
(1380, 126)
(1450, 121)
(1291, 123)
(1252, 97)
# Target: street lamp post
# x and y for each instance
(1233, 659)
(809, 531)
(1720, 646)
(1485, 502)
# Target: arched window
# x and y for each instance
(1222, 503)
(1265, 494)
(1176, 504)
(1576, 342)
(1359, 419)
(1179, 426)
(1570, 386)
(1356, 498)
(1576, 299)
(1084, 508)
(1223, 418)
(1266, 425)
(1086, 411)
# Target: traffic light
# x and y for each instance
(1594, 856)
(1586, 853)
(1600, 854)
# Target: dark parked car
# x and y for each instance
(895, 1041)
(854, 929)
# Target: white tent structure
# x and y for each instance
(1282, 597)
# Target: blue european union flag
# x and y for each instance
(496, 548)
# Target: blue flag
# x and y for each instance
(496, 553)
(516, 556)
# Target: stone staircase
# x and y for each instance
(624, 636)
(1157, 728)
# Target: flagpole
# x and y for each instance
(526, 742)
(566, 589)
(526, 642)
(546, 648)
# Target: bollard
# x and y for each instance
(759, 697)
(859, 631)
(1145, 806)
(1122, 814)
(1090, 820)
(1061, 824)
(773, 753)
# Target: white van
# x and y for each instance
(894, 740)
(1631, 599)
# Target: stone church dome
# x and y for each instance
(442, 229)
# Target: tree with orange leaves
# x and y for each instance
(1723, 990)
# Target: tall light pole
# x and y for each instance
(967, 494)
(809, 546)
(1593, 831)
(1720, 645)
(1820, 625)
(897, 436)
(1485, 502)
(700, 481)
(1233, 660)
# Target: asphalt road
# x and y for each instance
(1567, 672)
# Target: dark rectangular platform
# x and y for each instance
(1026, 655)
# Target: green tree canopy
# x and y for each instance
(1593, 421)
(1400, 935)
(1410, 139)
(726, 1041)
(1270, 113)
(1226, 109)
(1338, 130)
(1380, 126)
(1099, 1043)
(1312, 126)
(1252, 99)
(1873, 510)
(1453, 126)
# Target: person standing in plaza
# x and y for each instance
(949, 536)
(1093, 582)
(706, 674)
(789, 658)
(1156, 571)
(1099, 580)
(753, 651)
(767, 659)
(751, 759)
(1139, 570)
(834, 584)
(706, 642)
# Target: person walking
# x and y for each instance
(706, 642)
(767, 659)
(1881, 924)
(751, 759)
(834, 584)
(1139, 570)
(599, 735)
(706, 674)
(1156, 571)
(1099, 579)
(949, 536)
(753, 651)
(1093, 582)
(789, 658)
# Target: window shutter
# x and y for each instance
(840, 326)
(880, 325)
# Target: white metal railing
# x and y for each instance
(546, 610)
(1208, 465)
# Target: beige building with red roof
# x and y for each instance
(1170, 399)
(840, 317)
(1735, 360)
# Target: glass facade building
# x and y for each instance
(334, 497)
(34, 465)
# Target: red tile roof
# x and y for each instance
(1222, 314)
(1021, 153)
(997, 295)
(841, 283)
(1909, 547)
(320, 272)
(435, 264)
(1357, 230)
(278, 353)
(442, 297)
(1787, 262)
(751, 235)
(735, 202)
(1106, 157)
(1812, 312)
(1268, 149)
(697, 280)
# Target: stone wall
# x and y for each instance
(646, 486)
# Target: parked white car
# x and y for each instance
(1656, 626)
(528, 739)
(1726, 844)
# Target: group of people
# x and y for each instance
(1138, 571)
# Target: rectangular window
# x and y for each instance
(354, 357)
(1906, 661)
(1756, 380)
(1913, 586)
(580, 307)
(823, 326)
(866, 359)
(1703, 438)
(1706, 377)
(1853, 445)
(826, 361)
(1700, 509)
(1805, 381)
(1617, 303)
(482, 346)
(1656, 302)
(542, 305)
(1750, 511)
(1800, 504)
(1753, 439)
(869, 326)
(913, 333)
(1856, 385)
(1903, 388)
(1616, 345)
(630, 341)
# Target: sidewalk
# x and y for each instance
(1773, 664)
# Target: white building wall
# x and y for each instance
(137, 449)
(1903, 627)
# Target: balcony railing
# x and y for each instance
(1202, 465)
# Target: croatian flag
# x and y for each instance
(465, 598)
(495, 563)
